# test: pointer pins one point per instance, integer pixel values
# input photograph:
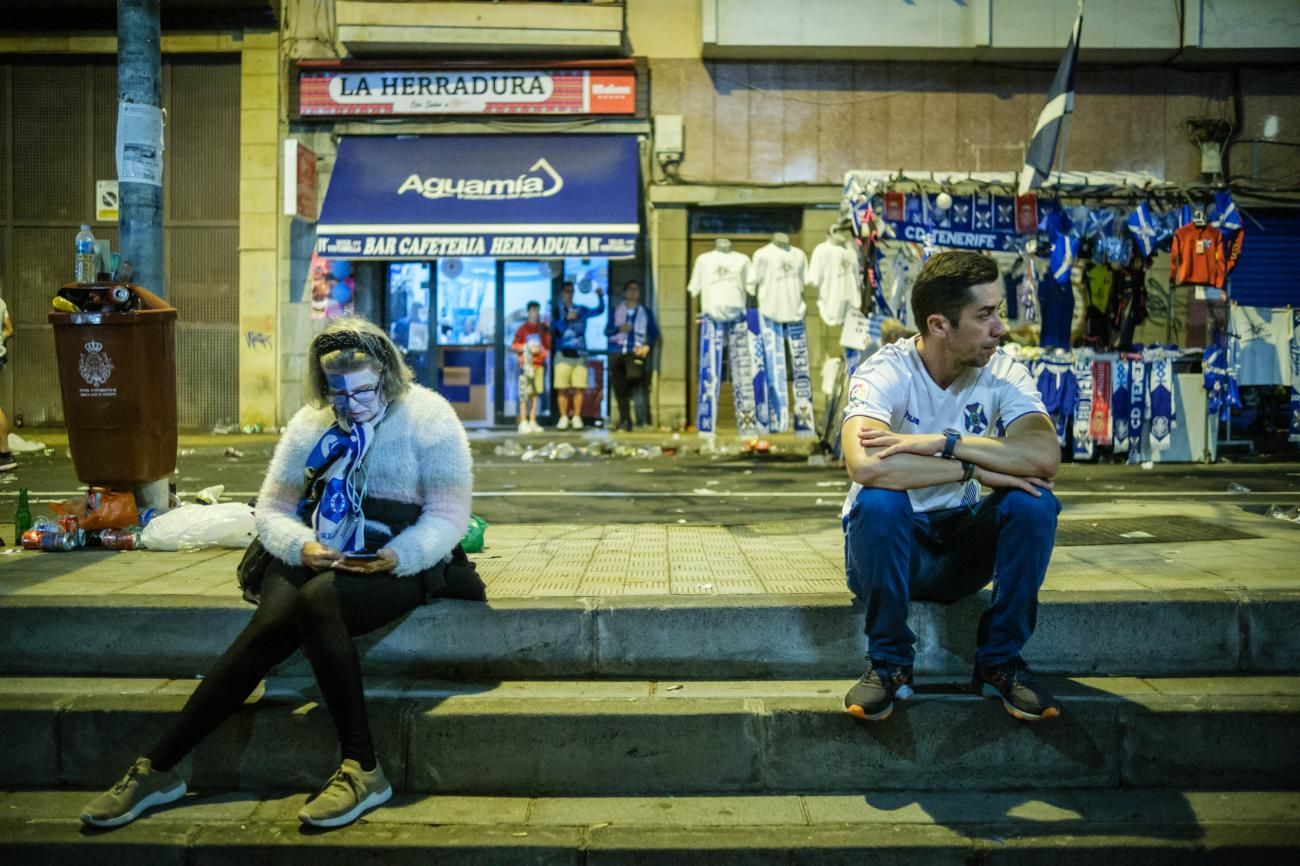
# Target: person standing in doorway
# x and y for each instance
(632, 333)
(569, 322)
(533, 343)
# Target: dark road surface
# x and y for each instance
(692, 488)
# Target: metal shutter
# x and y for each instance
(1265, 273)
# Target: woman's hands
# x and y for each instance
(386, 561)
(321, 557)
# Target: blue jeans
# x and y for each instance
(893, 555)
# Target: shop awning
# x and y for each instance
(509, 196)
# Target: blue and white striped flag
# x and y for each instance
(1060, 102)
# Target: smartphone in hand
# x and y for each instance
(361, 556)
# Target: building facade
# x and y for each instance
(743, 119)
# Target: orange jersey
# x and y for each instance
(1197, 257)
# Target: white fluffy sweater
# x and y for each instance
(420, 455)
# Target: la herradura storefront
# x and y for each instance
(471, 229)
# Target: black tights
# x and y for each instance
(319, 611)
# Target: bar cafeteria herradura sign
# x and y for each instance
(467, 91)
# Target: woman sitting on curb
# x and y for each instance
(387, 471)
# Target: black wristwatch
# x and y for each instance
(967, 471)
(950, 439)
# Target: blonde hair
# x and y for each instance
(349, 344)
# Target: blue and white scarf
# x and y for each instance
(1160, 397)
(1082, 369)
(775, 336)
(734, 337)
(1295, 378)
(337, 460)
(638, 336)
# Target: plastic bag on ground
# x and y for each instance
(101, 508)
(195, 527)
(19, 445)
(473, 540)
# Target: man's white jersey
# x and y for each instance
(894, 386)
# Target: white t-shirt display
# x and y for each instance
(894, 386)
(779, 276)
(721, 280)
(1263, 344)
(835, 274)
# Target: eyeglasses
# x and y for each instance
(362, 396)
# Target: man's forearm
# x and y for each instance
(1033, 454)
(906, 472)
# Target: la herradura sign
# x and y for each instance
(466, 91)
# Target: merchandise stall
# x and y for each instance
(1118, 296)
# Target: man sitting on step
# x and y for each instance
(929, 420)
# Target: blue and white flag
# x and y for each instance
(1141, 224)
(1051, 120)
(1224, 213)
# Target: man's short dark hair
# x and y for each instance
(636, 283)
(567, 284)
(944, 285)
(533, 305)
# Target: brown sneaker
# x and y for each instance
(350, 793)
(141, 788)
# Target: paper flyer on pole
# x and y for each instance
(139, 143)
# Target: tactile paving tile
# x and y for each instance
(692, 588)
(555, 587)
(1093, 581)
(805, 586)
(739, 587)
(647, 589)
(600, 589)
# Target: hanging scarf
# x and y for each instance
(1099, 425)
(1160, 397)
(332, 472)
(1138, 409)
(1294, 435)
(637, 336)
(1083, 441)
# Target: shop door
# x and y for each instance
(467, 335)
(520, 283)
(523, 281)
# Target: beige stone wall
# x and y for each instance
(798, 123)
(664, 28)
(668, 268)
(259, 227)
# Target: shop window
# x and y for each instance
(466, 299)
(588, 275)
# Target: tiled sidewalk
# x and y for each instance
(803, 557)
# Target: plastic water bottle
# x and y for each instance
(87, 256)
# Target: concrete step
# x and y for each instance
(621, 738)
(906, 827)
(1137, 633)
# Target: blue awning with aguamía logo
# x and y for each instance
(508, 196)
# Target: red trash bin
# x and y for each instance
(117, 377)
